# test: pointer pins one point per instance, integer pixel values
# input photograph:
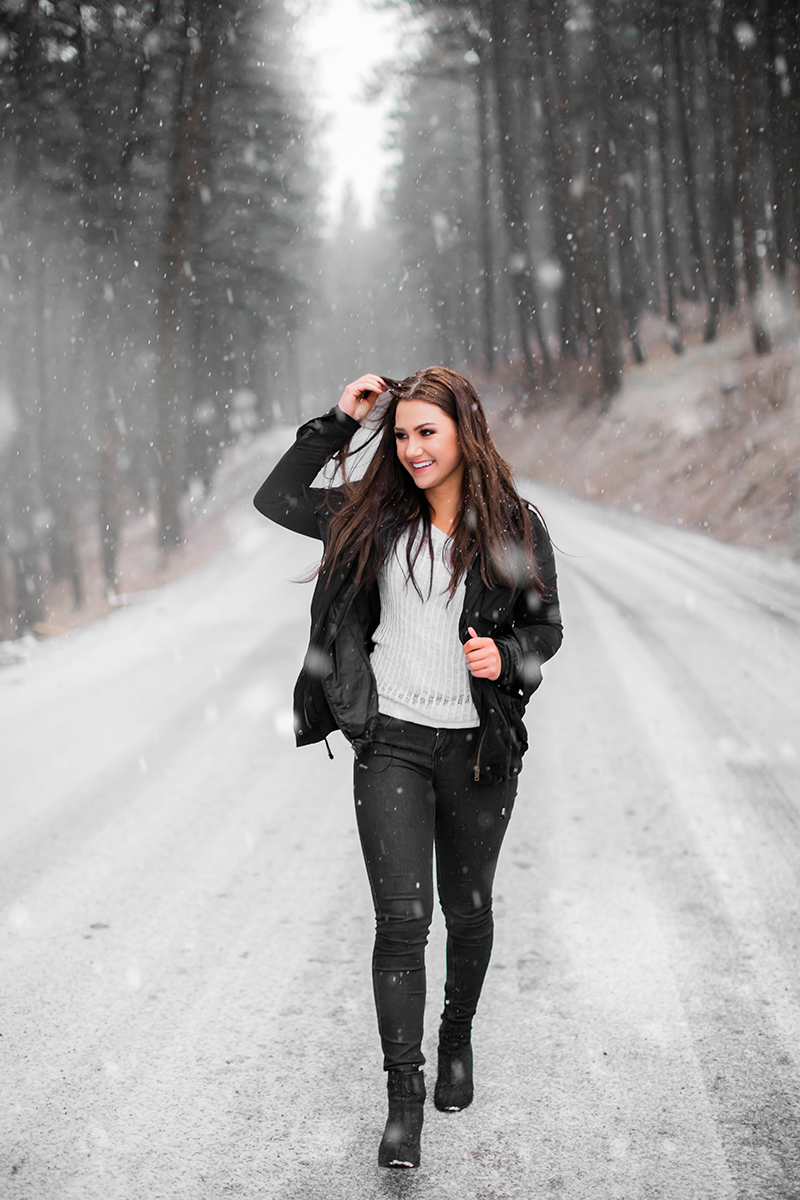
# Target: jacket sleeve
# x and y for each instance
(286, 495)
(537, 631)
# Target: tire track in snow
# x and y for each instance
(757, 784)
(735, 962)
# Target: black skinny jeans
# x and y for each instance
(414, 791)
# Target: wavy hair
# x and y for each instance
(369, 515)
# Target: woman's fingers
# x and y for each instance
(359, 397)
(365, 403)
(483, 657)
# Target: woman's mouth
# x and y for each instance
(421, 466)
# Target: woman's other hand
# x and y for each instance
(359, 397)
(483, 657)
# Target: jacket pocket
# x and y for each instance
(312, 716)
(504, 738)
(497, 606)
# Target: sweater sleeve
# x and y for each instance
(537, 629)
(286, 495)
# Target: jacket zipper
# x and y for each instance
(476, 770)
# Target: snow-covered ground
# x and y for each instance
(184, 982)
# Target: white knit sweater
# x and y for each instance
(418, 660)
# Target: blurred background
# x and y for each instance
(214, 213)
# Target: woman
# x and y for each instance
(434, 608)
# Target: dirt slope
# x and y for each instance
(709, 440)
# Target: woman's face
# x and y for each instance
(427, 444)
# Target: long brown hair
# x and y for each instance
(368, 515)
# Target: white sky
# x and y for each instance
(347, 41)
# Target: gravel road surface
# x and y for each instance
(185, 999)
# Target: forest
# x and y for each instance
(156, 192)
(564, 169)
(567, 167)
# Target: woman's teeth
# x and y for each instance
(423, 465)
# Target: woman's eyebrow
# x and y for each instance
(424, 425)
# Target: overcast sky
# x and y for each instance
(347, 42)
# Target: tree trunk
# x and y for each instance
(26, 542)
(24, 536)
(549, 50)
(193, 94)
(722, 209)
(58, 493)
(670, 247)
(743, 56)
(104, 192)
(684, 33)
(629, 269)
(512, 174)
(59, 477)
(644, 151)
(793, 134)
(605, 217)
(485, 217)
(784, 80)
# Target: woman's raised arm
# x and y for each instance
(286, 495)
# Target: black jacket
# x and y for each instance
(336, 687)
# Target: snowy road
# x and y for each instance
(185, 992)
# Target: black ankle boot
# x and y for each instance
(400, 1142)
(454, 1083)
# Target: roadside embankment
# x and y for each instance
(709, 440)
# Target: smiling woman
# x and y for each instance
(434, 608)
(427, 446)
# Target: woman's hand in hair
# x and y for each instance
(359, 397)
(483, 657)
